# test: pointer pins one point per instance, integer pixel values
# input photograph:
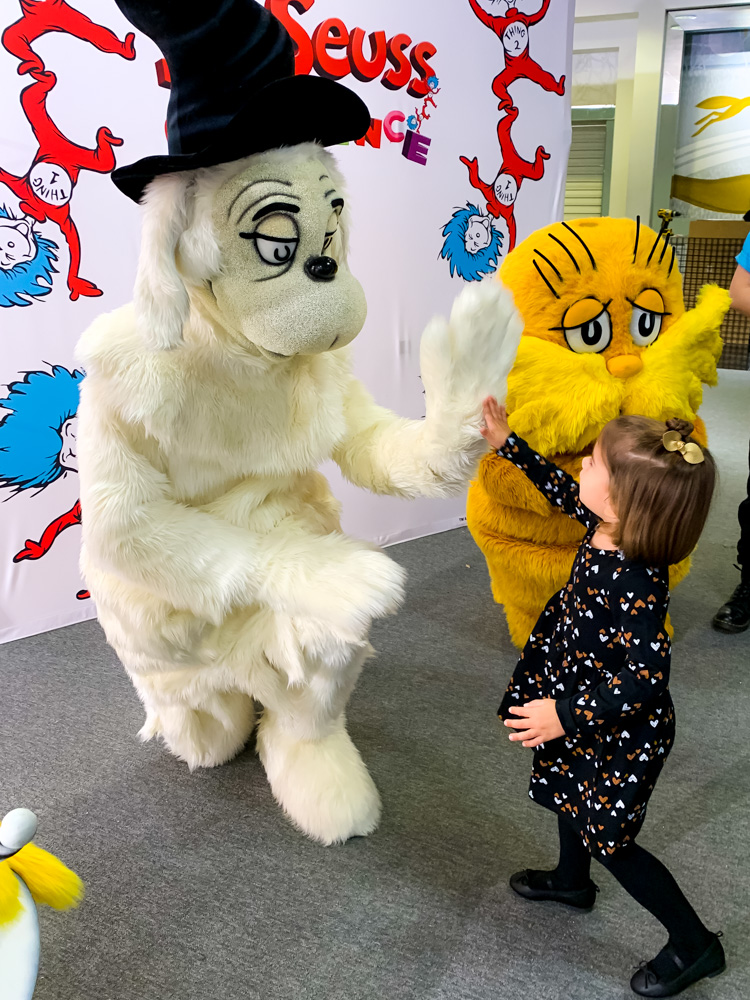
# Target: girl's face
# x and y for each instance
(594, 486)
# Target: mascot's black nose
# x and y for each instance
(321, 268)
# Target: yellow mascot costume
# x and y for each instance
(606, 333)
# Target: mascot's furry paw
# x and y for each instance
(469, 357)
(203, 736)
(322, 785)
(339, 584)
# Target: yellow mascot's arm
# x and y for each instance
(504, 483)
(699, 332)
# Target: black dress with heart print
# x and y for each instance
(602, 651)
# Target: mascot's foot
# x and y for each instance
(205, 736)
(80, 286)
(322, 785)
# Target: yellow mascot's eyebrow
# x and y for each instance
(661, 233)
(664, 249)
(667, 236)
(567, 251)
(656, 244)
(548, 261)
(544, 279)
(583, 244)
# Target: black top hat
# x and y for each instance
(234, 91)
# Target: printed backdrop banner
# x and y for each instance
(466, 155)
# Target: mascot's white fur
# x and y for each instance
(212, 546)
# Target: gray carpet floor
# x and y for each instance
(198, 888)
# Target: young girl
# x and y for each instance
(591, 690)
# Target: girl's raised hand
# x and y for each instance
(495, 429)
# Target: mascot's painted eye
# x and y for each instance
(276, 237)
(592, 337)
(648, 315)
(331, 230)
(587, 327)
(645, 326)
(274, 250)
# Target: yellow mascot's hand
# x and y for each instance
(699, 330)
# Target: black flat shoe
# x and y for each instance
(734, 616)
(544, 888)
(646, 983)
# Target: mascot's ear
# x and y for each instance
(161, 300)
(198, 251)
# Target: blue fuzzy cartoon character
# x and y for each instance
(38, 444)
(472, 244)
(26, 261)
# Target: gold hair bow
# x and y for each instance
(690, 451)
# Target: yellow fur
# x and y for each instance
(47, 879)
(10, 904)
(559, 400)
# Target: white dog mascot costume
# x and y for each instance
(211, 544)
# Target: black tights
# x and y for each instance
(642, 876)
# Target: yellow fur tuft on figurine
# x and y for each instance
(28, 876)
(606, 333)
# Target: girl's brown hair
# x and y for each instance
(661, 500)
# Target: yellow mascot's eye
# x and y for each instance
(645, 326)
(648, 315)
(587, 327)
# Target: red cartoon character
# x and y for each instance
(38, 445)
(35, 550)
(45, 191)
(41, 16)
(513, 31)
(501, 195)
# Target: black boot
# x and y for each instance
(734, 616)
(648, 983)
(536, 885)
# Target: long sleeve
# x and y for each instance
(487, 18)
(541, 13)
(638, 602)
(557, 486)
